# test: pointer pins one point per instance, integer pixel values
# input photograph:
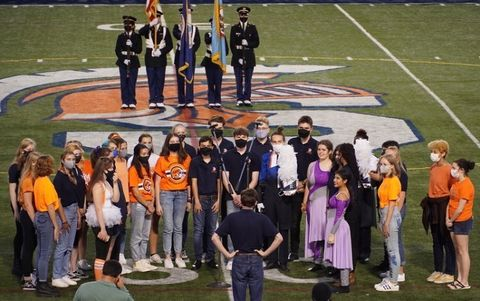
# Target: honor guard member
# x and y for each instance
(129, 46)
(157, 49)
(243, 40)
(214, 72)
(185, 90)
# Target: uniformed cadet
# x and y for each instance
(213, 71)
(129, 46)
(156, 53)
(185, 90)
(243, 39)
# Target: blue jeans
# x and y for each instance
(141, 224)
(204, 222)
(61, 257)
(392, 241)
(243, 79)
(173, 204)
(231, 208)
(247, 271)
(44, 227)
(156, 82)
(403, 213)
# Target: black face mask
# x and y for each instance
(78, 159)
(181, 137)
(205, 151)
(218, 133)
(240, 143)
(243, 19)
(303, 133)
(128, 27)
(26, 153)
(143, 160)
(174, 147)
(109, 175)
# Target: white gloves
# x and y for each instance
(154, 22)
(244, 42)
(126, 62)
(129, 43)
(156, 53)
(162, 44)
(240, 61)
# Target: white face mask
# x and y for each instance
(69, 164)
(454, 173)
(261, 133)
(148, 145)
(277, 147)
(434, 157)
(384, 169)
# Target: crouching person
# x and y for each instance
(248, 231)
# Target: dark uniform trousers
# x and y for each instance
(128, 84)
(243, 80)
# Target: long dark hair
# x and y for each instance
(136, 161)
(347, 152)
(346, 174)
(103, 163)
(182, 154)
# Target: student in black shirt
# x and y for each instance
(217, 125)
(261, 144)
(305, 147)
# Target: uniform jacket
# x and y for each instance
(149, 34)
(121, 49)
(207, 60)
(237, 34)
(177, 33)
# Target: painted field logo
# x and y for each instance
(94, 95)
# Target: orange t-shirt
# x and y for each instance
(25, 186)
(462, 190)
(87, 171)
(144, 184)
(440, 181)
(45, 194)
(173, 175)
(122, 171)
(389, 190)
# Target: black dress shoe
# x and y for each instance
(197, 265)
(341, 289)
(212, 264)
(293, 257)
(283, 268)
(316, 268)
(271, 265)
(45, 290)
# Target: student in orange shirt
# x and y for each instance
(142, 207)
(460, 219)
(172, 189)
(27, 216)
(47, 204)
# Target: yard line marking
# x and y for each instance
(305, 58)
(416, 79)
(39, 61)
(437, 58)
(349, 58)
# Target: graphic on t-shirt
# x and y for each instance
(176, 173)
(145, 185)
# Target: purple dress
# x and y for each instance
(340, 253)
(316, 211)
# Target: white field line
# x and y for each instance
(416, 79)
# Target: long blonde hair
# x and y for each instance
(20, 157)
(28, 166)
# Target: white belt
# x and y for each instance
(126, 53)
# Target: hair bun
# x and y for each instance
(470, 165)
(361, 132)
(280, 130)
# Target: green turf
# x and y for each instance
(62, 36)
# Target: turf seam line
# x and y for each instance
(409, 73)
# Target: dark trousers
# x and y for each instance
(102, 247)
(352, 217)
(365, 241)
(243, 79)
(156, 82)
(128, 84)
(443, 249)
(296, 218)
(184, 89)
(247, 272)
(29, 243)
(17, 249)
(214, 80)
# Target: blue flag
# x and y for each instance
(219, 51)
(185, 61)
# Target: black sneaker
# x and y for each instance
(293, 257)
(28, 286)
(317, 267)
(341, 289)
(45, 290)
(197, 265)
(271, 265)
(283, 268)
(212, 264)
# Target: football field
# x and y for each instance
(405, 72)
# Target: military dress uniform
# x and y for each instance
(156, 60)
(243, 40)
(127, 49)
(214, 73)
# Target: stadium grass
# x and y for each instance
(415, 34)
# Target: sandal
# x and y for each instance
(457, 285)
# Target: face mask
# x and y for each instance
(181, 137)
(303, 133)
(26, 153)
(174, 147)
(277, 148)
(454, 173)
(240, 143)
(78, 158)
(434, 157)
(243, 19)
(148, 145)
(218, 133)
(143, 160)
(261, 134)
(109, 175)
(205, 151)
(122, 153)
(69, 164)
(115, 153)
(128, 27)
(384, 169)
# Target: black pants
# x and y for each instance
(29, 243)
(443, 248)
(17, 249)
(352, 216)
(365, 241)
(101, 247)
(296, 218)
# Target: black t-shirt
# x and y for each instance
(206, 175)
(234, 163)
(247, 229)
(224, 146)
(306, 154)
(404, 181)
(68, 192)
(14, 174)
(258, 148)
(190, 150)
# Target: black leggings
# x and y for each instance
(29, 243)
(101, 247)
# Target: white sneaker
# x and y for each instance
(190, 105)
(168, 263)
(126, 269)
(433, 276)
(247, 102)
(387, 286)
(239, 103)
(180, 263)
(132, 106)
(68, 281)
(181, 105)
(124, 106)
(204, 255)
(59, 283)
(218, 105)
(122, 259)
(401, 277)
(229, 265)
(139, 266)
(152, 105)
(160, 105)
(155, 258)
(83, 264)
(148, 266)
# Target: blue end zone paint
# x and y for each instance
(125, 2)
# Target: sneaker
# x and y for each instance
(444, 279)
(132, 106)
(73, 276)
(152, 105)
(122, 259)
(239, 103)
(148, 266)
(124, 106)
(211, 105)
(155, 258)
(180, 263)
(197, 265)
(364, 260)
(247, 102)
(283, 268)
(80, 274)
(68, 281)
(168, 263)
(33, 275)
(387, 286)
(341, 290)
(84, 265)
(229, 265)
(293, 257)
(184, 255)
(44, 290)
(190, 105)
(181, 105)
(59, 283)
(139, 266)
(204, 255)
(218, 105)
(28, 286)
(401, 277)
(212, 264)
(126, 269)
(434, 276)
(160, 105)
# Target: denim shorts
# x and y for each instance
(462, 228)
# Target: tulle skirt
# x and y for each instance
(111, 216)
